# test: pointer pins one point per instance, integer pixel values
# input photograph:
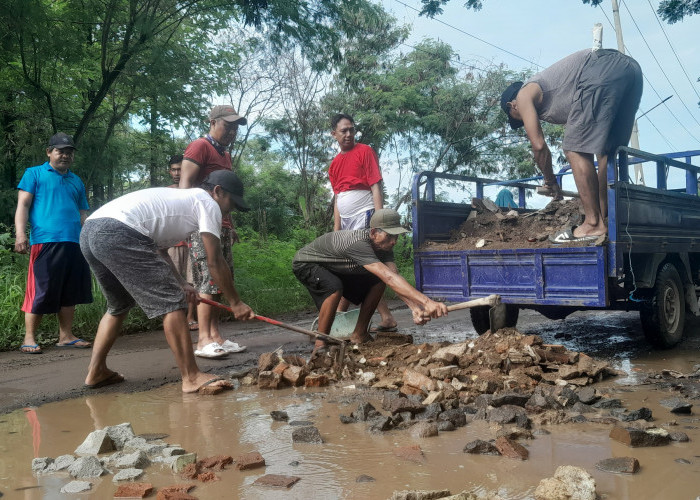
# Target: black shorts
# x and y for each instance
(322, 283)
(58, 277)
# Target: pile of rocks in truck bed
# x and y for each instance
(494, 228)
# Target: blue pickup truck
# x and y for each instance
(650, 261)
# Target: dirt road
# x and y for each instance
(146, 361)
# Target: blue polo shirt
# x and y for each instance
(55, 211)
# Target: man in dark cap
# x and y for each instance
(352, 264)
(595, 94)
(202, 157)
(53, 200)
(126, 244)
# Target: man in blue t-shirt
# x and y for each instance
(52, 199)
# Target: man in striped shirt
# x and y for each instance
(352, 264)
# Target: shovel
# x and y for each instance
(310, 333)
(497, 311)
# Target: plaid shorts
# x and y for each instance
(203, 281)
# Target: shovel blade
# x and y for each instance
(497, 317)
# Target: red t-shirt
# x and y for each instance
(358, 169)
(209, 160)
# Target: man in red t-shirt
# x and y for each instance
(202, 157)
(356, 181)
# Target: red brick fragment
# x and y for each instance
(176, 492)
(208, 477)
(511, 449)
(134, 490)
(276, 481)
(218, 462)
(316, 381)
(190, 471)
(251, 460)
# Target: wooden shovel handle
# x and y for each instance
(491, 300)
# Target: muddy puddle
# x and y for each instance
(239, 421)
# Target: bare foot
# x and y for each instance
(204, 379)
(103, 379)
(589, 230)
(357, 339)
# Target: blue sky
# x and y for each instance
(544, 31)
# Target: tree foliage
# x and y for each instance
(670, 11)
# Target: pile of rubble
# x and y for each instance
(491, 227)
(117, 450)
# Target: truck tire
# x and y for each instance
(663, 315)
(481, 322)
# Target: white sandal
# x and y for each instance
(213, 350)
(229, 346)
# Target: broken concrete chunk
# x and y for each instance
(677, 405)
(481, 447)
(89, 466)
(619, 465)
(127, 475)
(135, 460)
(637, 438)
(424, 429)
(42, 464)
(76, 487)
(568, 482)
(95, 443)
(120, 434)
(179, 462)
(307, 434)
(62, 463)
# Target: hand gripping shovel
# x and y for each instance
(315, 335)
(497, 311)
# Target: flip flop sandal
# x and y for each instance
(567, 236)
(74, 344)
(384, 329)
(229, 346)
(211, 351)
(35, 349)
(193, 325)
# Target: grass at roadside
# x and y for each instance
(262, 272)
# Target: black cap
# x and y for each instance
(508, 96)
(230, 182)
(61, 141)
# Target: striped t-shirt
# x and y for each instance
(343, 252)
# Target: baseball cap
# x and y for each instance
(507, 96)
(388, 220)
(61, 141)
(227, 113)
(230, 182)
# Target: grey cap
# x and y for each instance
(388, 220)
(61, 141)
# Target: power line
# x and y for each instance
(652, 88)
(659, 65)
(673, 49)
(472, 36)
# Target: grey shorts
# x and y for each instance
(129, 269)
(203, 281)
(605, 103)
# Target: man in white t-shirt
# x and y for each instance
(126, 241)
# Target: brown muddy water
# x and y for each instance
(238, 422)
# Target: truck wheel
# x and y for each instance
(663, 316)
(481, 321)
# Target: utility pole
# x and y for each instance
(634, 139)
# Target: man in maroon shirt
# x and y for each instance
(203, 156)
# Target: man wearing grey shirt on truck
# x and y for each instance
(595, 94)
